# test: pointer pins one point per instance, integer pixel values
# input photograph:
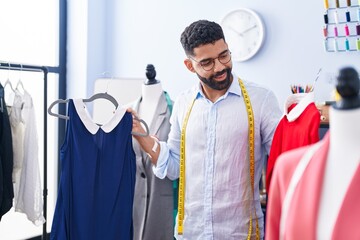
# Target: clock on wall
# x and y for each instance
(244, 32)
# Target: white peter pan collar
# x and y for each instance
(89, 123)
(302, 100)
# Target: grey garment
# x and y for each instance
(154, 197)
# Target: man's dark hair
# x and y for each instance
(200, 33)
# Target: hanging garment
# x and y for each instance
(26, 170)
(154, 197)
(17, 133)
(96, 190)
(6, 158)
(301, 220)
(298, 127)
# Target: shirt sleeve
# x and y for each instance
(168, 163)
(270, 117)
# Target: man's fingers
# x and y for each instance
(133, 112)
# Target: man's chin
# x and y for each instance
(222, 84)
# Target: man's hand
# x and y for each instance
(148, 143)
(136, 126)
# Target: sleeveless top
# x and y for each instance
(97, 181)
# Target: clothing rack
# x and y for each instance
(44, 70)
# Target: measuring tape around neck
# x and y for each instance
(251, 140)
(251, 129)
(181, 196)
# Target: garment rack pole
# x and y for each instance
(45, 71)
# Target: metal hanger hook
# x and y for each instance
(8, 77)
(105, 74)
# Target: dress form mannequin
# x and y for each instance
(153, 197)
(150, 92)
(344, 151)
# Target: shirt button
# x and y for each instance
(143, 175)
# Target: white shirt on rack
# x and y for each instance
(26, 172)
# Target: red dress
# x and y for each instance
(299, 127)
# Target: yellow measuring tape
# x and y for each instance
(181, 196)
(251, 129)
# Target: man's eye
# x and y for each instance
(206, 63)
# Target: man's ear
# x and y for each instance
(189, 65)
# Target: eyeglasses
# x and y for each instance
(208, 64)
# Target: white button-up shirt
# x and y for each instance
(218, 195)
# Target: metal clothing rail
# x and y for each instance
(45, 70)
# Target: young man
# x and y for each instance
(220, 123)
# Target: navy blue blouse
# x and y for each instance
(97, 182)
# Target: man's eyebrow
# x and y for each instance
(208, 59)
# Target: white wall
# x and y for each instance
(139, 32)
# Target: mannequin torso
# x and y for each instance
(149, 102)
(342, 162)
(152, 193)
(314, 191)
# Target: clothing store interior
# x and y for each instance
(99, 101)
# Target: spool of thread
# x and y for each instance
(326, 4)
(326, 18)
(336, 17)
(337, 3)
(325, 32)
(347, 45)
(336, 47)
(347, 33)
(325, 45)
(358, 44)
(348, 2)
(348, 19)
(335, 31)
(357, 29)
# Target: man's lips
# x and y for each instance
(221, 76)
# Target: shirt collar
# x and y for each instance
(235, 87)
(88, 122)
(302, 100)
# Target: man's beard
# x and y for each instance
(217, 85)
